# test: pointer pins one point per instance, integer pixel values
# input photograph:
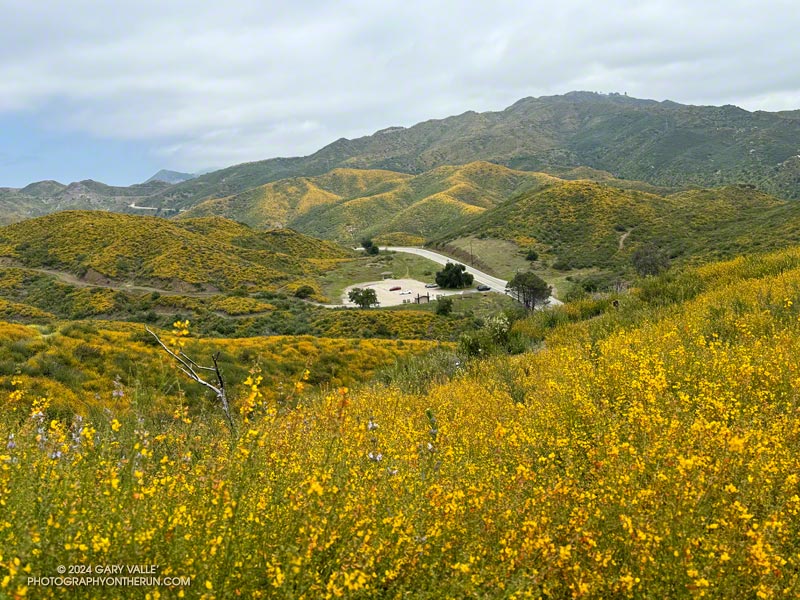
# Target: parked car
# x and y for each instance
(431, 286)
(483, 288)
(405, 292)
(396, 288)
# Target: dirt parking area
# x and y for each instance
(409, 289)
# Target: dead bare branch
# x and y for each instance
(189, 366)
(194, 364)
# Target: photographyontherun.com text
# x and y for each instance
(108, 576)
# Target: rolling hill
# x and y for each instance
(584, 224)
(348, 204)
(210, 254)
(587, 220)
(647, 450)
(278, 204)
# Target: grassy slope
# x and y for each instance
(29, 296)
(279, 203)
(100, 265)
(371, 268)
(579, 224)
(76, 363)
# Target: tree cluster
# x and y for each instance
(454, 275)
(363, 297)
(444, 306)
(304, 291)
(529, 289)
(370, 247)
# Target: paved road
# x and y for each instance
(497, 284)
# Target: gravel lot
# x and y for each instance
(387, 298)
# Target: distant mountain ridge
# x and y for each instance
(45, 197)
(662, 143)
(665, 144)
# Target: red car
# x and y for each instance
(395, 288)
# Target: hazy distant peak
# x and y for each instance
(170, 176)
(43, 188)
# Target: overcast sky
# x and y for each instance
(114, 91)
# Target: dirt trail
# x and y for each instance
(624, 237)
(73, 280)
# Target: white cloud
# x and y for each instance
(215, 84)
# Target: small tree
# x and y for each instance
(370, 247)
(363, 298)
(444, 306)
(454, 275)
(532, 255)
(649, 260)
(529, 288)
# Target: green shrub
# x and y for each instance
(444, 306)
(304, 291)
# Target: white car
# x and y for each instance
(404, 292)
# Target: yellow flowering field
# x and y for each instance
(192, 254)
(91, 365)
(651, 452)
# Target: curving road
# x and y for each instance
(497, 284)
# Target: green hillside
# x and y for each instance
(196, 254)
(582, 224)
(589, 219)
(280, 203)
(348, 204)
(15, 207)
(229, 280)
